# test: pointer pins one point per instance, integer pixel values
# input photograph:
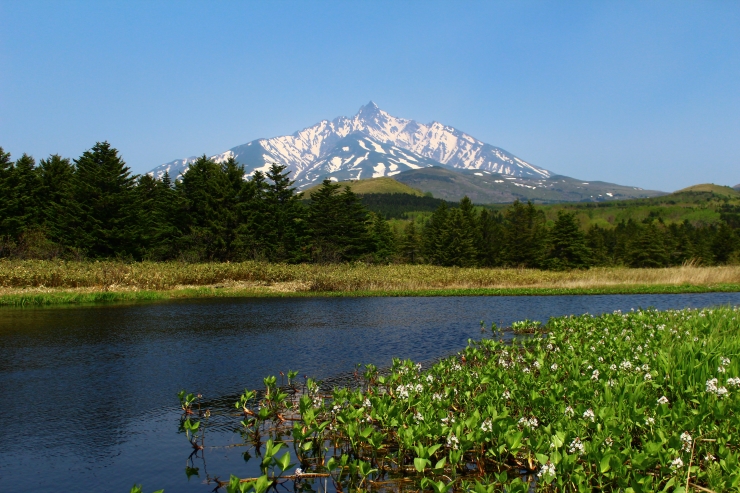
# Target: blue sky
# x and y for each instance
(637, 93)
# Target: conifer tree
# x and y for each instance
(567, 244)
(524, 231)
(210, 194)
(382, 237)
(286, 217)
(457, 240)
(338, 224)
(433, 234)
(55, 174)
(489, 239)
(724, 243)
(255, 237)
(101, 218)
(410, 245)
(20, 207)
(647, 248)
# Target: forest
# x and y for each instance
(93, 207)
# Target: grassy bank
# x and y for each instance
(44, 282)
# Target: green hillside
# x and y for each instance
(385, 185)
(699, 204)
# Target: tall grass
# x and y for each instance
(43, 276)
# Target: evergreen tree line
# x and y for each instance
(93, 207)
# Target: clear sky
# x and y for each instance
(636, 93)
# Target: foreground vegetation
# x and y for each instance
(633, 402)
(37, 282)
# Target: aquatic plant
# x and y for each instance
(637, 401)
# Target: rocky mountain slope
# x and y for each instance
(372, 143)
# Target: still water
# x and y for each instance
(89, 394)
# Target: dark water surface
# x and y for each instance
(89, 394)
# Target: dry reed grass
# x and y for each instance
(47, 276)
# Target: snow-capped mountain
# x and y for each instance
(372, 143)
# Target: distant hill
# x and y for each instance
(383, 185)
(737, 187)
(487, 188)
(711, 188)
(699, 204)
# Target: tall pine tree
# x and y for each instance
(101, 216)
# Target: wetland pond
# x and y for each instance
(89, 394)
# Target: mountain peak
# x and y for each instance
(369, 109)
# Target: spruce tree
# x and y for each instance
(567, 244)
(101, 218)
(286, 217)
(724, 243)
(410, 244)
(524, 232)
(338, 225)
(489, 239)
(20, 208)
(432, 234)
(56, 174)
(210, 210)
(647, 249)
(383, 239)
(456, 245)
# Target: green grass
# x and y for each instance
(85, 298)
(375, 185)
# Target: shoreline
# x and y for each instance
(36, 297)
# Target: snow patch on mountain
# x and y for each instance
(316, 152)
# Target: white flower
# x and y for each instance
(711, 386)
(536, 364)
(734, 381)
(526, 370)
(608, 441)
(625, 365)
(554, 367)
(576, 446)
(569, 411)
(402, 391)
(724, 361)
(418, 416)
(721, 369)
(650, 421)
(506, 394)
(453, 442)
(547, 470)
(430, 379)
(709, 457)
(648, 377)
(663, 400)
(487, 426)
(367, 403)
(686, 441)
(530, 423)
(595, 375)
(419, 388)
(721, 392)
(298, 471)
(613, 367)
(676, 463)
(436, 397)
(589, 414)
(611, 383)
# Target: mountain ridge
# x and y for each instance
(304, 151)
